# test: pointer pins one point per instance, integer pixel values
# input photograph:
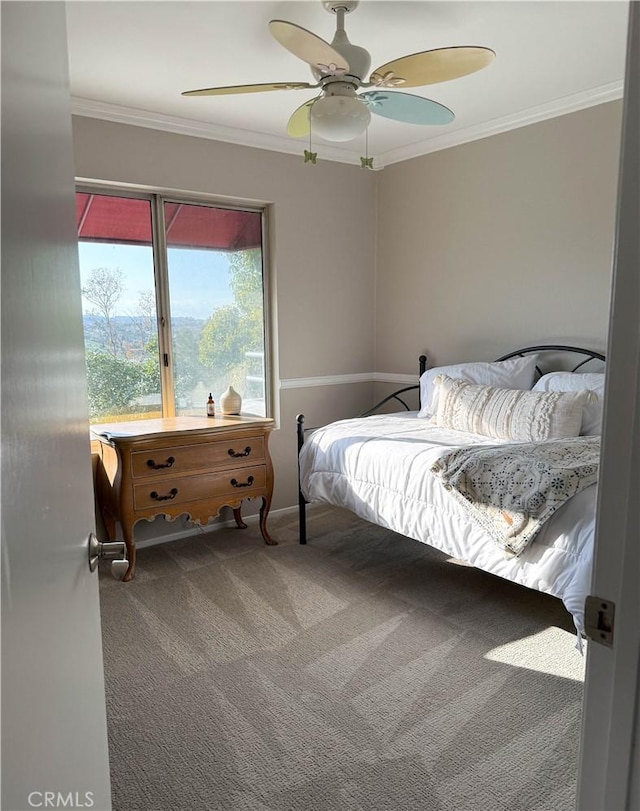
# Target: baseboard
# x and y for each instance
(194, 530)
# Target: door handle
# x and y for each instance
(108, 551)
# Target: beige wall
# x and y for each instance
(499, 243)
(480, 249)
(322, 251)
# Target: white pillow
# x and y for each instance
(515, 373)
(514, 414)
(575, 381)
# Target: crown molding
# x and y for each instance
(532, 115)
(215, 132)
(202, 129)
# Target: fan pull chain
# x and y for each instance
(309, 156)
(366, 162)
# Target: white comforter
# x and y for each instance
(379, 467)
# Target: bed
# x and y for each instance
(497, 467)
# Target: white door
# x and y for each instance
(609, 770)
(54, 740)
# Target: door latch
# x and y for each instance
(107, 551)
(599, 620)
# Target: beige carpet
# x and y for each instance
(363, 672)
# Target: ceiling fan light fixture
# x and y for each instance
(339, 118)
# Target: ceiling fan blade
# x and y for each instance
(429, 67)
(407, 107)
(307, 46)
(248, 88)
(299, 125)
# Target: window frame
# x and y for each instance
(157, 198)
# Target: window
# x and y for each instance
(173, 297)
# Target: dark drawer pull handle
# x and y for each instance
(237, 455)
(172, 494)
(168, 463)
(248, 483)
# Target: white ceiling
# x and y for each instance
(129, 61)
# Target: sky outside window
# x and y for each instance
(199, 278)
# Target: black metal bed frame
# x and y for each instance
(589, 355)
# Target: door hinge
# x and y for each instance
(165, 359)
(599, 620)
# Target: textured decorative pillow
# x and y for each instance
(521, 416)
(515, 373)
(574, 381)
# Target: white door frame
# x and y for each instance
(609, 772)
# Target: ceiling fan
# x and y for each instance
(339, 112)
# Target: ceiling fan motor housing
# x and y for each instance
(358, 59)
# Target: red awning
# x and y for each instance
(103, 218)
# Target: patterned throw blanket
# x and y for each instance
(511, 490)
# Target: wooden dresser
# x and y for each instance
(176, 466)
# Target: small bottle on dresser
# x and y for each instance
(211, 407)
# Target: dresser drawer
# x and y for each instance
(185, 458)
(178, 489)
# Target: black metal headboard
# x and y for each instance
(584, 356)
(556, 357)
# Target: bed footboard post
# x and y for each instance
(422, 360)
(302, 504)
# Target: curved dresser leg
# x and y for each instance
(264, 512)
(237, 514)
(127, 535)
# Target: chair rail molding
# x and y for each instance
(337, 380)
